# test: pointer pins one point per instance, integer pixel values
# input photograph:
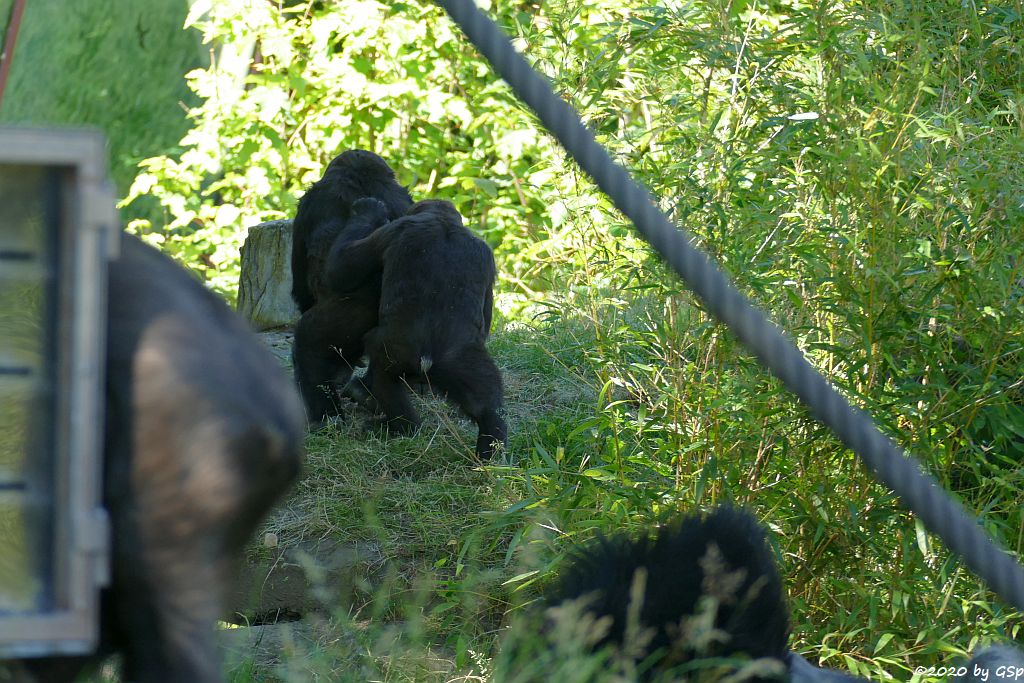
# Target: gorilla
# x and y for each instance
(329, 334)
(325, 209)
(203, 434)
(436, 301)
(718, 564)
(719, 568)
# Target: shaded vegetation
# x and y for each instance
(857, 167)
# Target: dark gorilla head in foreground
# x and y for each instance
(699, 589)
(701, 600)
(204, 434)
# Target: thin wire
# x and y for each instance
(919, 491)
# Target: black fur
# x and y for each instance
(357, 194)
(994, 664)
(720, 562)
(324, 212)
(436, 302)
(203, 434)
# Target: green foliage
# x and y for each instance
(851, 172)
(394, 78)
(857, 167)
(851, 165)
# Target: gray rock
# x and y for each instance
(264, 288)
(294, 581)
(266, 645)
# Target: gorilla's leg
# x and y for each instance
(328, 343)
(472, 381)
(357, 389)
(390, 361)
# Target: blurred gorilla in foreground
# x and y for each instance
(204, 433)
(702, 601)
(702, 589)
(436, 301)
(357, 194)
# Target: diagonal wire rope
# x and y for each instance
(919, 491)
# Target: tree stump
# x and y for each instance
(264, 287)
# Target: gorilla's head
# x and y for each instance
(359, 173)
(434, 206)
(361, 161)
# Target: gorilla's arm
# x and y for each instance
(488, 310)
(353, 262)
(367, 214)
(301, 227)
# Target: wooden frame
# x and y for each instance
(87, 230)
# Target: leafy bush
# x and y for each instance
(393, 78)
(856, 168)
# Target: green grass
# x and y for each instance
(117, 65)
(883, 235)
(430, 521)
(460, 549)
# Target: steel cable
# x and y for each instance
(919, 491)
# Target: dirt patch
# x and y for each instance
(311, 576)
(280, 344)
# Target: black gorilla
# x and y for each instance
(719, 564)
(324, 212)
(329, 335)
(436, 301)
(203, 434)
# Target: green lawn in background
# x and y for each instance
(880, 228)
(114, 64)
